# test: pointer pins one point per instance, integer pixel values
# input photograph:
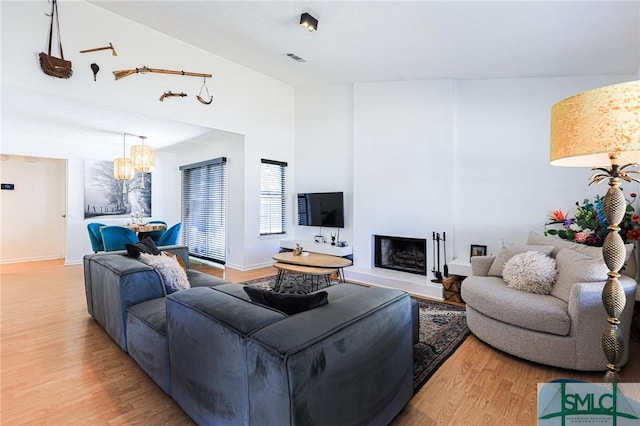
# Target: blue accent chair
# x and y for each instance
(171, 236)
(155, 235)
(115, 237)
(95, 236)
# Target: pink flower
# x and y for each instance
(581, 237)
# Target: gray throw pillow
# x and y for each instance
(574, 267)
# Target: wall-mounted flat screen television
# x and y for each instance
(321, 209)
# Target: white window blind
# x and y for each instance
(204, 209)
(272, 197)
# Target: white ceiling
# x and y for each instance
(362, 41)
(366, 41)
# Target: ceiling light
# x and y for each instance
(123, 167)
(143, 157)
(308, 22)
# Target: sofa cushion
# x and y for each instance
(288, 303)
(173, 276)
(574, 267)
(153, 313)
(201, 279)
(508, 252)
(491, 297)
(530, 271)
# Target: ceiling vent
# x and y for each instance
(295, 57)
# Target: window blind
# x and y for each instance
(272, 197)
(204, 208)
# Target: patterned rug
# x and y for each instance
(443, 327)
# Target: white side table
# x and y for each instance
(461, 267)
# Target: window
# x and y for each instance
(204, 209)
(272, 197)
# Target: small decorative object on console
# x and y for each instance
(298, 250)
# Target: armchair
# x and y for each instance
(562, 329)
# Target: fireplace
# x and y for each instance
(401, 254)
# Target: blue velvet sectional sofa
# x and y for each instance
(229, 361)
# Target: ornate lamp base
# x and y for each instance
(614, 254)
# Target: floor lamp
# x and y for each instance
(600, 128)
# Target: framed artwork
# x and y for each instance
(477, 250)
(106, 196)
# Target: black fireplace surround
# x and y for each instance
(400, 254)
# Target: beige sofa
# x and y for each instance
(562, 329)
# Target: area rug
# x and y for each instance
(443, 327)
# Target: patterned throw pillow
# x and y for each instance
(174, 277)
(530, 271)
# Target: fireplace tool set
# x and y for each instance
(435, 241)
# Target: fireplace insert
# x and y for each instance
(401, 254)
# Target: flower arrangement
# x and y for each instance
(589, 225)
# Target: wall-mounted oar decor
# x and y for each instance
(126, 73)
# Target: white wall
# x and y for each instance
(469, 158)
(324, 152)
(505, 186)
(403, 162)
(245, 102)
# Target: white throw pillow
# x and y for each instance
(508, 252)
(530, 271)
(574, 267)
(174, 277)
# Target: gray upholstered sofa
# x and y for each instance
(562, 329)
(229, 361)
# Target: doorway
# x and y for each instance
(33, 220)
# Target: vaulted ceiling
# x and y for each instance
(366, 41)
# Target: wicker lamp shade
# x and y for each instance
(143, 158)
(123, 168)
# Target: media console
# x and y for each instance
(313, 247)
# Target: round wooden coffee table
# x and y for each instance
(314, 264)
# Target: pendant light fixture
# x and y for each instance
(143, 157)
(123, 167)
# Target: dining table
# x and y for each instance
(145, 227)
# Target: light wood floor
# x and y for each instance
(59, 367)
